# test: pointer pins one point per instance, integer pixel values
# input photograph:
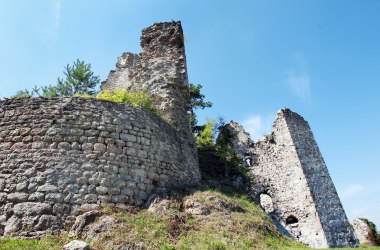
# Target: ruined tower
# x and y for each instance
(292, 183)
(160, 69)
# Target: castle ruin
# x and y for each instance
(292, 184)
(62, 155)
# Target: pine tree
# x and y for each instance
(79, 80)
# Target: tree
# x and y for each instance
(206, 136)
(197, 102)
(226, 152)
(79, 80)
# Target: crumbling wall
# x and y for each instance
(160, 69)
(364, 233)
(59, 155)
(283, 180)
(327, 203)
(292, 183)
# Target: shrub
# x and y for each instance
(137, 99)
(206, 136)
(22, 94)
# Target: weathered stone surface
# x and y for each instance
(292, 183)
(76, 245)
(73, 173)
(161, 70)
(13, 225)
(196, 208)
(364, 232)
(240, 140)
(31, 208)
(82, 221)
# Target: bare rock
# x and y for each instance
(82, 221)
(363, 232)
(158, 204)
(196, 208)
(76, 245)
(104, 224)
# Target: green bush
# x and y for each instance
(206, 136)
(137, 99)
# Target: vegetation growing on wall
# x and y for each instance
(216, 155)
(137, 99)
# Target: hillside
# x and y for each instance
(190, 219)
(182, 219)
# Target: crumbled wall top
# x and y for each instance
(160, 69)
(364, 232)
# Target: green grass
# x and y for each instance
(366, 248)
(47, 243)
(234, 223)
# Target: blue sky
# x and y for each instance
(320, 58)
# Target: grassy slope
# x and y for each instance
(233, 223)
(228, 222)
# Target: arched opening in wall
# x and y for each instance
(291, 220)
(266, 203)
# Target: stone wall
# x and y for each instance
(330, 211)
(160, 69)
(292, 183)
(59, 155)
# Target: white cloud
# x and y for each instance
(47, 26)
(298, 78)
(352, 191)
(362, 201)
(257, 126)
(299, 84)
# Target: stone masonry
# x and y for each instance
(292, 183)
(64, 154)
(160, 69)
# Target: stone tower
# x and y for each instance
(292, 183)
(160, 69)
(291, 172)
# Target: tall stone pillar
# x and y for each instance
(160, 69)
